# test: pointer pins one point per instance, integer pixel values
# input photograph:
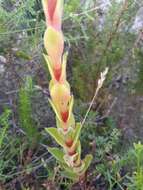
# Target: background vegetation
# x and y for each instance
(96, 36)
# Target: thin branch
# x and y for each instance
(100, 83)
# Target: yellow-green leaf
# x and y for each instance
(56, 135)
(49, 65)
(55, 110)
(87, 160)
(57, 153)
(77, 132)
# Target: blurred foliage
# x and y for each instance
(138, 84)
(103, 137)
(21, 23)
(105, 44)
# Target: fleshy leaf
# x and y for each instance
(60, 95)
(77, 132)
(55, 134)
(87, 160)
(71, 106)
(78, 151)
(51, 84)
(51, 7)
(57, 153)
(79, 147)
(55, 110)
(58, 15)
(64, 63)
(49, 65)
(67, 168)
(54, 43)
(71, 175)
(85, 164)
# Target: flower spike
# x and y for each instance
(67, 132)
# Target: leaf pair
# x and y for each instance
(69, 172)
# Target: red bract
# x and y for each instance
(64, 116)
(69, 142)
(51, 8)
(57, 73)
(53, 13)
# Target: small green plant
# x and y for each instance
(137, 178)
(27, 123)
(4, 122)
